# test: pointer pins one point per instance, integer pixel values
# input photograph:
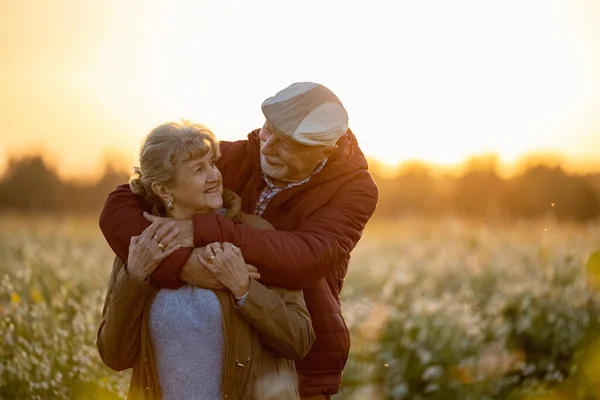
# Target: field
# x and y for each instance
(438, 309)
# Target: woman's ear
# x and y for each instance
(162, 192)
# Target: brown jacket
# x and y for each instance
(261, 338)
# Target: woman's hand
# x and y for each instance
(228, 266)
(148, 250)
(196, 274)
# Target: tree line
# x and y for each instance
(31, 185)
(537, 191)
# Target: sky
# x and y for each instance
(83, 81)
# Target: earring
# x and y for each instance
(170, 205)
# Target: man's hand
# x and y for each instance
(227, 264)
(197, 275)
(185, 227)
(233, 203)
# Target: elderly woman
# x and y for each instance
(194, 343)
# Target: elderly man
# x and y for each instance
(304, 172)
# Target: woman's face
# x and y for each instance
(198, 187)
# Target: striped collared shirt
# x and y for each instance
(271, 190)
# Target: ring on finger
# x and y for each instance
(162, 246)
(211, 258)
(157, 238)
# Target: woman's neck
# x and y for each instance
(182, 214)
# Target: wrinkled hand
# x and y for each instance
(185, 226)
(147, 250)
(228, 266)
(198, 275)
(233, 203)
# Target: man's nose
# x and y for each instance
(269, 147)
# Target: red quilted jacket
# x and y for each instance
(318, 224)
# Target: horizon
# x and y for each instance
(377, 167)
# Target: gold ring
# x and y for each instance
(211, 258)
(217, 248)
(162, 246)
(157, 238)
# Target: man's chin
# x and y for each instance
(272, 172)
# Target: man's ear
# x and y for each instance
(161, 191)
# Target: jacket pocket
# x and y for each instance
(277, 381)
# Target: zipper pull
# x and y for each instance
(241, 365)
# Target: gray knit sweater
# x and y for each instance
(187, 334)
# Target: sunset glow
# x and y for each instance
(436, 81)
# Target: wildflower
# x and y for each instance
(36, 296)
(551, 395)
(15, 298)
(593, 266)
(461, 373)
(276, 386)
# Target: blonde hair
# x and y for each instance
(162, 152)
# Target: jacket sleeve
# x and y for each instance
(118, 338)
(300, 258)
(121, 218)
(281, 318)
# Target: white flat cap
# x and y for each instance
(308, 113)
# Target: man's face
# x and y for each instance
(285, 160)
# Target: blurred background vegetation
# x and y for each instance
(478, 189)
(466, 285)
